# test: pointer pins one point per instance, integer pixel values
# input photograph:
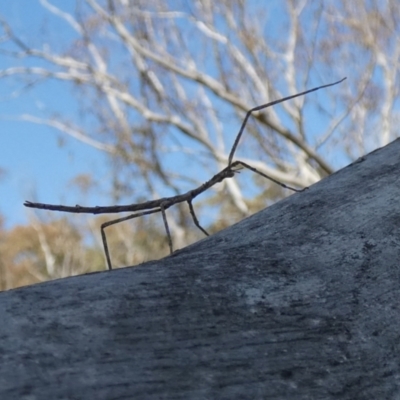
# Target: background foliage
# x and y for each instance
(161, 89)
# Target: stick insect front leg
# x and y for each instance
(249, 167)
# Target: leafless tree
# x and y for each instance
(165, 85)
(365, 34)
(43, 251)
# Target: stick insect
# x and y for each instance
(161, 205)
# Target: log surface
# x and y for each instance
(299, 301)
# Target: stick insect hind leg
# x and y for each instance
(132, 216)
(161, 209)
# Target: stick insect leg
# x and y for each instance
(195, 220)
(162, 208)
(116, 221)
(265, 176)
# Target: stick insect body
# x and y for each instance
(160, 205)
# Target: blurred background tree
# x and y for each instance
(162, 88)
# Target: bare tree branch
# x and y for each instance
(153, 79)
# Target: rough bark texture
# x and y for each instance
(300, 301)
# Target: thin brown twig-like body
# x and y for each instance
(161, 205)
(154, 206)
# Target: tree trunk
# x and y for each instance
(299, 301)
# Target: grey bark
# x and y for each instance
(299, 301)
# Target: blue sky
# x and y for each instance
(37, 168)
(35, 164)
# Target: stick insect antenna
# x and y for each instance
(272, 103)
